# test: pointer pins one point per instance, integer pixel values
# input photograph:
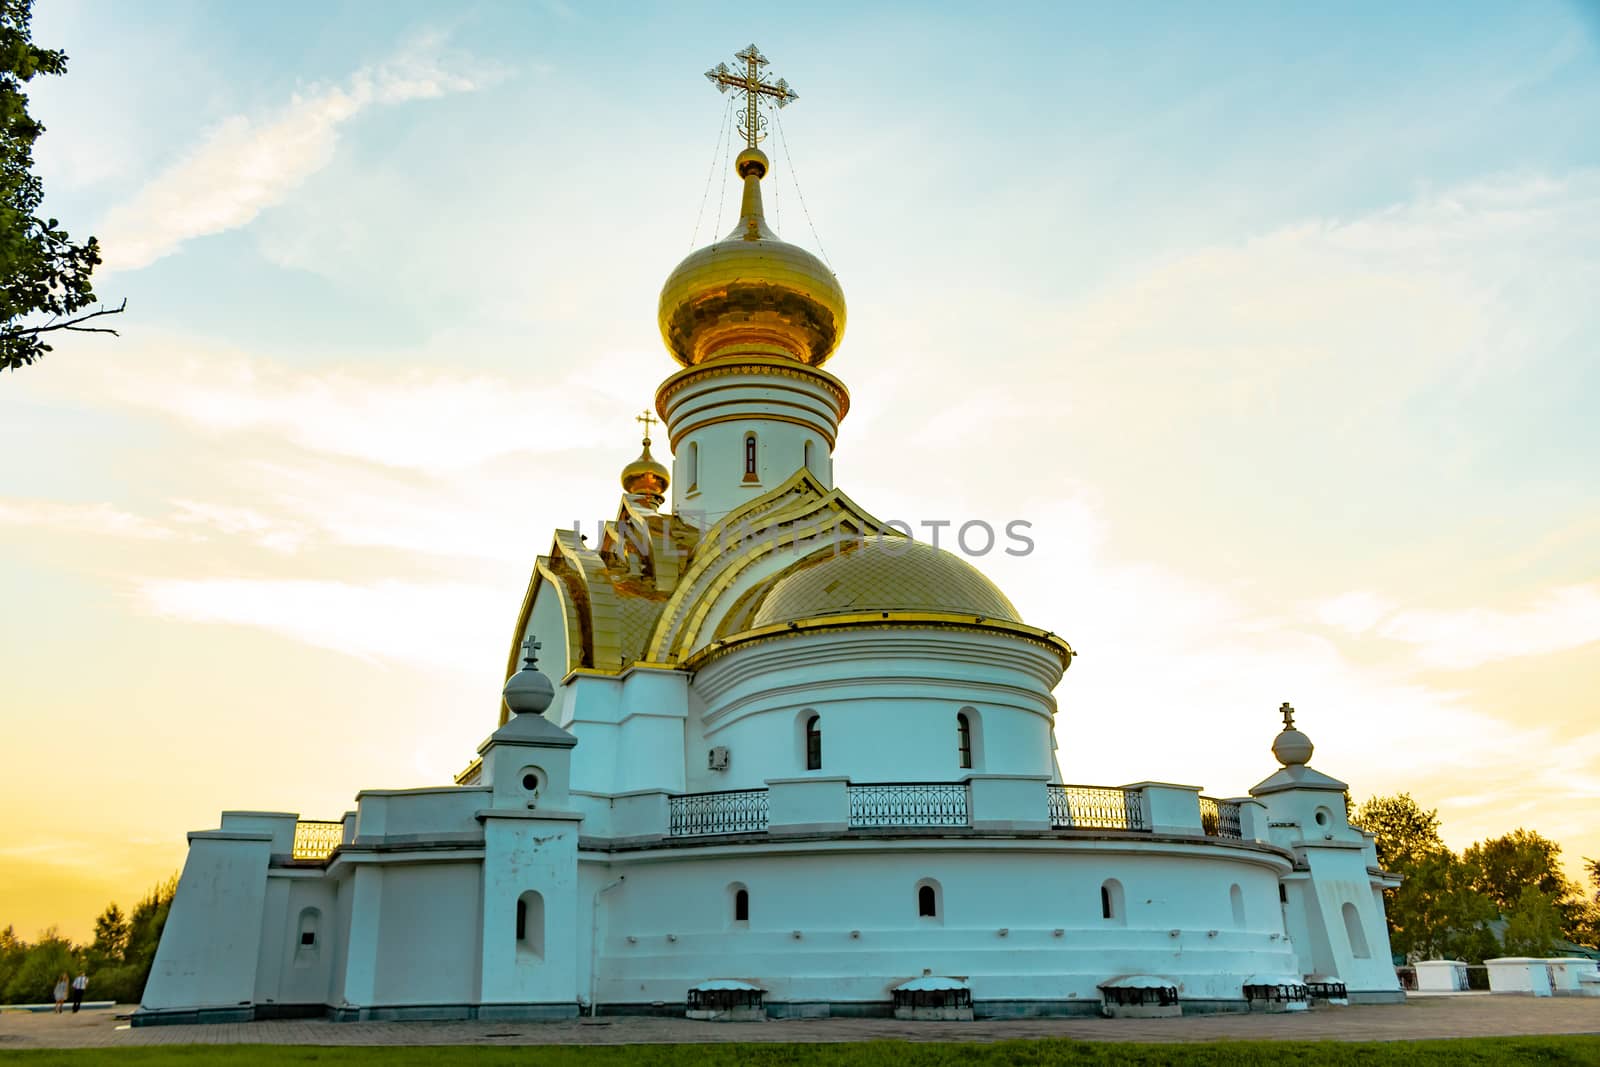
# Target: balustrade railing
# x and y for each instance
(1092, 807)
(909, 804)
(314, 840)
(1219, 818)
(731, 811)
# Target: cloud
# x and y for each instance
(401, 416)
(246, 164)
(98, 519)
(1563, 618)
(452, 626)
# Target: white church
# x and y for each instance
(761, 755)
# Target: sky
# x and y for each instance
(1276, 322)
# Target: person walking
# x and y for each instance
(61, 991)
(79, 985)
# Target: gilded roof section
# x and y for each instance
(893, 574)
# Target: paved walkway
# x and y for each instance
(1420, 1017)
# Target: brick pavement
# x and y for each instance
(1420, 1017)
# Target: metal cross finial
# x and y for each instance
(530, 652)
(1286, 709)
(750, 84)
(649, 421)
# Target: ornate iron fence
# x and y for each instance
(909, 804)
(315, 840)
(731, 811)
(1219, 818)
(1078, 807)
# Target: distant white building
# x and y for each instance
(789, 756)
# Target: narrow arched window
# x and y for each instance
(749, 457)
(741, 906)
(814, 743)
(691, 464)
(964, 739)
(1352, 930)
(1236, 900)
(1111, 908)
(927, 903)
(808, 457)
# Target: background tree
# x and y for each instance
(110, 937)
(34, 980)
(46, 276)
(1405, 832)
(1533, 925)
(1503, 866)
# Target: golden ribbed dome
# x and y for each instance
(645, 477)
(751, 293)
(883, 575)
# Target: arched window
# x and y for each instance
(808, 458)
(1111, 908)
(928, 902)
(741, 905)
(1236, 899)
(1352, 929)
(530, 923)
(750, 457)
(814, 743)
(691, 465)
(964, 739)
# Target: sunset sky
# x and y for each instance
(1278, 323)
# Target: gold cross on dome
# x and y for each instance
(649, 421)
(1286, 709)
(750, 84)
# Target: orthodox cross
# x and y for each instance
(1287, 711)
(530, 652)
(648, 421)
(750, 84)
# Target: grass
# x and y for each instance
(1462, 1052)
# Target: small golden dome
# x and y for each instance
(883, 575)
(751, 293)
(645, 477)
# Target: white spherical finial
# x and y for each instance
(529, 691)
(1291, 747)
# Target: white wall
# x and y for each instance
(679, 912)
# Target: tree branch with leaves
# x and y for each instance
(47, 287)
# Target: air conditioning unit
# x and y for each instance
(717, 758)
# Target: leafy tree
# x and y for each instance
(110, 937)
(1504, 866)
(46, 276)
(1405, 833)
(1436, 914)
(34, 980)
(1534, 924)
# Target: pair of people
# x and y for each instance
(76, 988)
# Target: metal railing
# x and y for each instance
(908, 804)
(1219, 818)
(314, 840)
(731, 811)
(1093, 807)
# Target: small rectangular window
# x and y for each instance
(522, 920)
(308, 937)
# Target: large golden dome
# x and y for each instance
(883, 575)
(751, 293)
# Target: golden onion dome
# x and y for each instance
(751, 293)
(645, 477)
(895, 574)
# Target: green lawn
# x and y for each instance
(1489, 1052)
